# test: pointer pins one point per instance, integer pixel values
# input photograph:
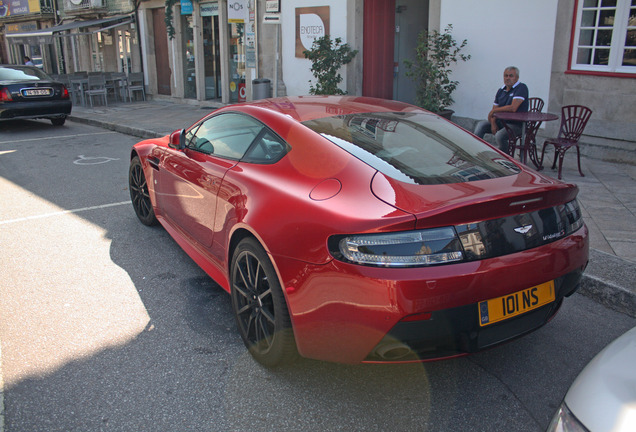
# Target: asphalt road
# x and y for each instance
(106, 324)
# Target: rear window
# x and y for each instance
(18, 73)
(417, 148)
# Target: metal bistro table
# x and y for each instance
(524, 118)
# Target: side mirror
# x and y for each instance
(177, 139)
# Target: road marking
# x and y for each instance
(64, 136)
(92, 160)
(28, 218)
(1, 394)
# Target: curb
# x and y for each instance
(128, 130)
(611, 281)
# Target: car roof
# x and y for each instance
(303, 108)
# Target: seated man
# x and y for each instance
(512, 97)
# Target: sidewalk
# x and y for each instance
(607, 193)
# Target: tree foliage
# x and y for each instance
(435, 54)
(327, 57)
(170, 17)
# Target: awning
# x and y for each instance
(44, 36)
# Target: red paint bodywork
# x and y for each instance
(340, 311)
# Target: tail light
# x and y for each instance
(401, 249)
(5, 95)
(65, 94)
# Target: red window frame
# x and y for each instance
(573, 47)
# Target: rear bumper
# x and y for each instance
(454, 332)
(343, 312)
(33, 110)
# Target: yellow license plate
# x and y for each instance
(512, 305)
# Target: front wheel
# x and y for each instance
(139, 194)
(259, 306)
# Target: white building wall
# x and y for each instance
(296, 71)
(500, 33)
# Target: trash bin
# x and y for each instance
(261, 88)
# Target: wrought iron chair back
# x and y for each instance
(574, 118)
(573, 121)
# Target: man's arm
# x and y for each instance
(513, 107)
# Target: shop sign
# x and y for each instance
(18, 7)
(250, 42)
(271, 18)
(237, 11)
(210, 9)
(186, 7)
(21, 27)
(272, 6)
(311, 23)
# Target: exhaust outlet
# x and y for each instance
(393, 351)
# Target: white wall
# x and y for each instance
(500, 33)
(296, 71)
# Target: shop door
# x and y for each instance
(212, 60)
(411, 17)
(390, 36)
(162, 63)
(379, 28)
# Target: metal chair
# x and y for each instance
(535, 104)
(96, 87)
(136, 83)
(573, 121)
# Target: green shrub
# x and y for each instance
(327, 58)
(435, 54)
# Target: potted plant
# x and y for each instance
(327, 58)
(435, 54)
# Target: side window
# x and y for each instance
(225, 135)
(268, 148)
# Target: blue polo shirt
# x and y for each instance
(518, 91)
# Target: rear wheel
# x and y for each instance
(139, 193)
(58, 121)
(259, 306)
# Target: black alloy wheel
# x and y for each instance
(139, 193)
(259, 306)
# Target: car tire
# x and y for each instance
(139, 194)
(259, 306)
(58, 121)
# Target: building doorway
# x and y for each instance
(162, 62)
(390, 36)
(411, 17)
(212, 57)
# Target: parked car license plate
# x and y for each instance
(505, 307)
(37, 92)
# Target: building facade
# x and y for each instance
(569, 51)
(67, 36)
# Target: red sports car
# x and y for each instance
(353, 229)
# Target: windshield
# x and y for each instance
(21, 73)
(417, 148)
